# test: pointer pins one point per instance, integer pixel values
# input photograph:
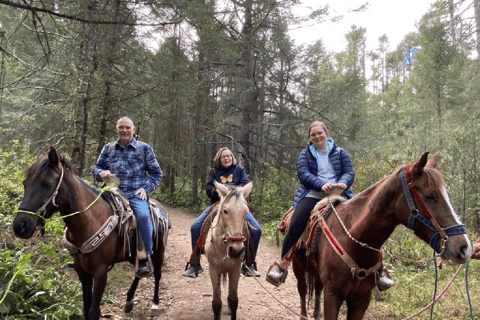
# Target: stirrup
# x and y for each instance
(150, 268)
(276, 282)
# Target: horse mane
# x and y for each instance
(434, 178)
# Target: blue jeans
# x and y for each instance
(140, 209)
(197, 226)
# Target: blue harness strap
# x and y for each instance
(436, 239)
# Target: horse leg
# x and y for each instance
(233, 277)
(301, 285)
(158, 257)
(331, 305)
(318, 293)
(217, 293)
(357, 307)
(99, 282)
(87, 283)
(130, 294)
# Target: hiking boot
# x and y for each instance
(384, 283)
(250, 271)
(144, 267)
(192, 271)
(276, 276)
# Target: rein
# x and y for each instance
(359, 273)
(440, 236)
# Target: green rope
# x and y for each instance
(105, 189)
(472, 315)
(436, 284)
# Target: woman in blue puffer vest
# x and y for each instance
(321, 167)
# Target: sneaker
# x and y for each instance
(277, 276)
(192, 271)
(384, 283)
(251, 271)
(143, 267)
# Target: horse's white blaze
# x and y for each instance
(447, 200)
(457, 220)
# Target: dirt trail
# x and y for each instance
(187, 298)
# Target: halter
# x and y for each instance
(440, 236)
(227, 238)
(51, 199)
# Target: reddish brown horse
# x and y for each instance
(51, 186)
(370, 218)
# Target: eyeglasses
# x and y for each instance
(226, 156)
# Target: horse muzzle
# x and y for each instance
(24, 225)
(234, 252)
(458, 249)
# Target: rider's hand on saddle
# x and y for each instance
(109, 178)
(334, 188)
(142, 193)
(105, 173)
(342, 186)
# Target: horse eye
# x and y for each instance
(46, 185)
(430, 198)
(225, 211)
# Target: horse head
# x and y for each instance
(431, 215)
(41, 186)
(232, 212)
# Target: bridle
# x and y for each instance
(440, 236)
(51, 199)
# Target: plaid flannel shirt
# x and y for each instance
(130, 167)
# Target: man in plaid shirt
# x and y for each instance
(135, 164)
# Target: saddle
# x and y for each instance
(126, 222)
(309, 240)
(311, 235)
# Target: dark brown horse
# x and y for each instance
(369, 219)
(50, 186)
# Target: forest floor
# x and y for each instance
(191, 298)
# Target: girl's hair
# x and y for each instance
(217, 159)
(317, 123)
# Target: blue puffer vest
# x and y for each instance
(307, 170)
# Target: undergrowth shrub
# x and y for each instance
(33, 284)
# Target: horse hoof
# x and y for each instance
(155, 311)
(129, 306)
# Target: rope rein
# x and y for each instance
(364, 245)
(103, 190)
(439, 296)
(276, 299)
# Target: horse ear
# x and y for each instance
(433, 161)
(221, 189)
(417, 168)
(247, 189)
(53, 156)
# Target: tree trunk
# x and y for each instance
(476, 4)
(107, 103)
(80, 121)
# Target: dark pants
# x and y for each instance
(298, 223)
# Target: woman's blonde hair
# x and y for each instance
(217, 159)
(317, 123)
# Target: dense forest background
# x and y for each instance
(226, 73)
